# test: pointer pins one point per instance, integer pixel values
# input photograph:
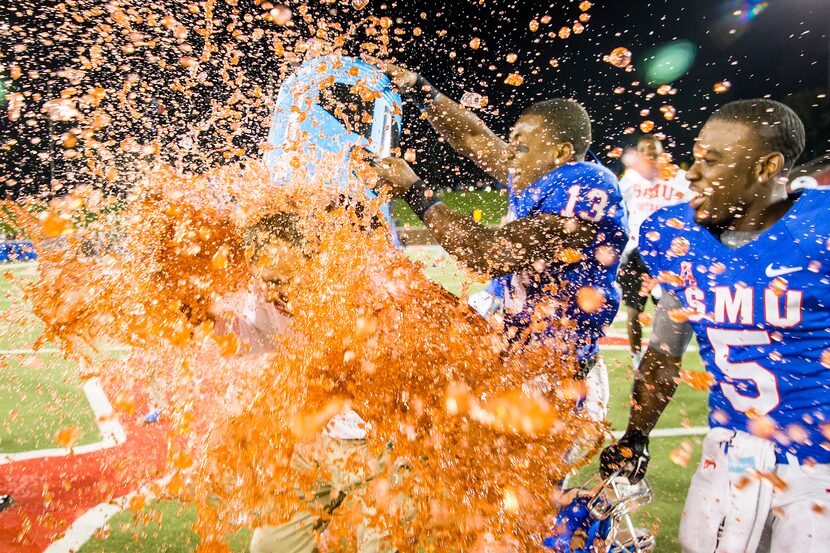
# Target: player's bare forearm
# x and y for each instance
(456, 124)
(516, 246)
(469, 136)
(654, 385)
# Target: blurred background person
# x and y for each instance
(649, 182)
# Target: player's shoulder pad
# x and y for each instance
(660, 228)
(584, 173)
(809, 224)
(666, 223)
(813, 201)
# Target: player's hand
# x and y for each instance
(629, 454)
(404, 79)
(396, 174)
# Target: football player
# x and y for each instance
(747, 271)
(650, 181)
(566, 224)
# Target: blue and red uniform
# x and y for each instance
(581, 190)
(761, 315)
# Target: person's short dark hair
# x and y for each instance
(275, 226)
(775, 125)
(567, 120)
(649, 138)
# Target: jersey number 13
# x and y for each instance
(598, 197)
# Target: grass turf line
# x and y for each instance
(669, 480)
(135, 532)
(40, 395)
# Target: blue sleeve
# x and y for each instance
(589, 195)
(495, 287)
(651, 243)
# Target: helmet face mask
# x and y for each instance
(593, 521)
(617, 497)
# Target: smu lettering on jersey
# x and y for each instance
(761, 314)
(586, 191)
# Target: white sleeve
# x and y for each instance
(627, 182)
(681, 184)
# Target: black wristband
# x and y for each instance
(420, 198)
(423, 93)
(634, 436)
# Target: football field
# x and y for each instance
(86, 501)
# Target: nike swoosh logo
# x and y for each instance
(772, 273)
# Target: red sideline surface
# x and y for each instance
(52, 492)
(616, 341)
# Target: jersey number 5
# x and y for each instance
(597, 196)
(766, 383)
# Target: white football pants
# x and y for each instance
(742, 501)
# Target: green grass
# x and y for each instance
(493, 206)
(8, 223)
(163, 527)
(441, 268)
(130, 532)
(669, 481)
(40, 394)
(18, 327)
(689, 405)
(166, 526)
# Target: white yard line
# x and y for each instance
(22, 265)
(28, 351)
(85, 526)
(111, 430)
(670, 432)
(614, 347)
(431, 248)
(53, 350)
(624, 347)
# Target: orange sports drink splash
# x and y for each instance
(455, 448)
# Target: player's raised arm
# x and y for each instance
(494, 252)
(654, 385)
(461, 128)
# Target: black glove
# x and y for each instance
(630, 454)
(422, 92)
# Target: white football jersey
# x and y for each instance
(643, 197)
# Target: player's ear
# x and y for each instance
(565, 153)
(770, 166)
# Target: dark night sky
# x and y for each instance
(784, 50)
(781, 52)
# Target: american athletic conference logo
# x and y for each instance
(686, 274)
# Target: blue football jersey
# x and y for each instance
(585, 191)
(761, 314)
